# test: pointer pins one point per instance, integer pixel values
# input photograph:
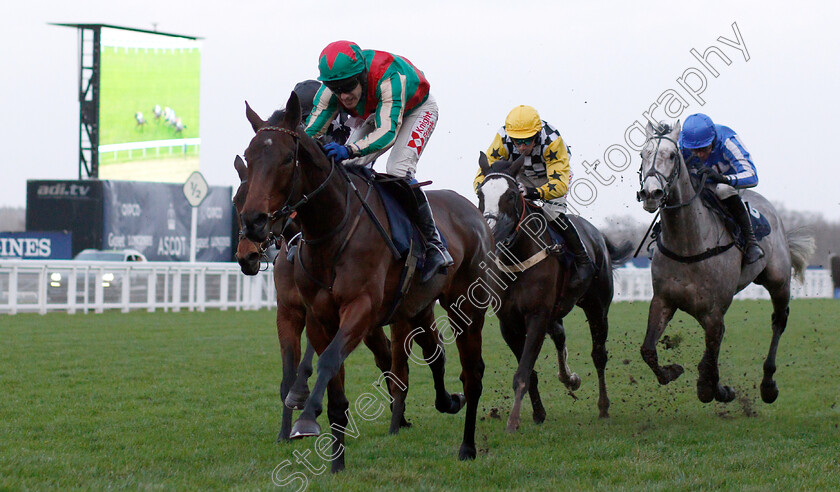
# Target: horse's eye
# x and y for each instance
(673, 154)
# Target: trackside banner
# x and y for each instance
(36, 245)
(154, 218)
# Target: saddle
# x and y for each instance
(401, 208)
(760, 224)
(558, 247)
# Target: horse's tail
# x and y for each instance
(801, 245)
(619, 254)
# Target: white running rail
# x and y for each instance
(43, 286)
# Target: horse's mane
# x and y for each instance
(500, 166)
(276, 117)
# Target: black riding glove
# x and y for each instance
(531, 193)
(715, 177)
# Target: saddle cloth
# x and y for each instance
(760, 224)
(401, 209)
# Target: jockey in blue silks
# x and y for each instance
(720, 149)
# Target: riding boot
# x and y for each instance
(437, 257)
(752, 251)
(583, 264)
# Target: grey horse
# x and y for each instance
(696, 269)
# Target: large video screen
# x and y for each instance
(148, 106)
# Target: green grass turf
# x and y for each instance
(191, 401)
(136, 80)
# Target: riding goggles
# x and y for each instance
(342, 86)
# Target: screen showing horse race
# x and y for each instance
(148, 106)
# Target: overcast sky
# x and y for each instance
(590, 68)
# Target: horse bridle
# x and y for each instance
(667, 181)
(512, 236)
(287, 210)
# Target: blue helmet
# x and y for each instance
(697, 132)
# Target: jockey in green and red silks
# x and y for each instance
(389, 100)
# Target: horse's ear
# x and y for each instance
(649, 129)
(677, 128)
(240, 167)
(516, 167)
(483, 164)
(253, 117)
(292, 116)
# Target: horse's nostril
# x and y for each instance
(657, 194)
(643, 195)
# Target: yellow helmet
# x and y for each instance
(523, 122)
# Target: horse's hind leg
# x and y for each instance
(380, 346)
(781, 310)
(658, 317)
(435, 357)
(516, 341)
(569, 379)
(708, 380)
(398, 383)
(472, 372)
(598, 329)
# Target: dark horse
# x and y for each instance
(535, 298)
(348, 280)
(696, 268)
(291, 313)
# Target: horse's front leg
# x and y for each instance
(299, 391)
(289, 327)
(355, 321)
(516, 341)
(536, 327)
(658, 317)
(708, 380)
(340, 423)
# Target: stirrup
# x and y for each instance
(752, 247)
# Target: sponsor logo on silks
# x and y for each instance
(63, 189)
(421, 133)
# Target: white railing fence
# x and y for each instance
(634, 284)
(71, 286)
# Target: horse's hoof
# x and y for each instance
(337, 465)
(466, 452)
(573, 384)
(454, 405)
(296, 401)
(705, 392)
(539, 416)
(305, 428)
(283, 437)
(769, 391)
(405, 424)
(674, 371)
(725, 394)
(512, 425)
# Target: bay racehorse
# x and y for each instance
(291, 313)
(348, 280)
(696, 269)
(533, 281)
